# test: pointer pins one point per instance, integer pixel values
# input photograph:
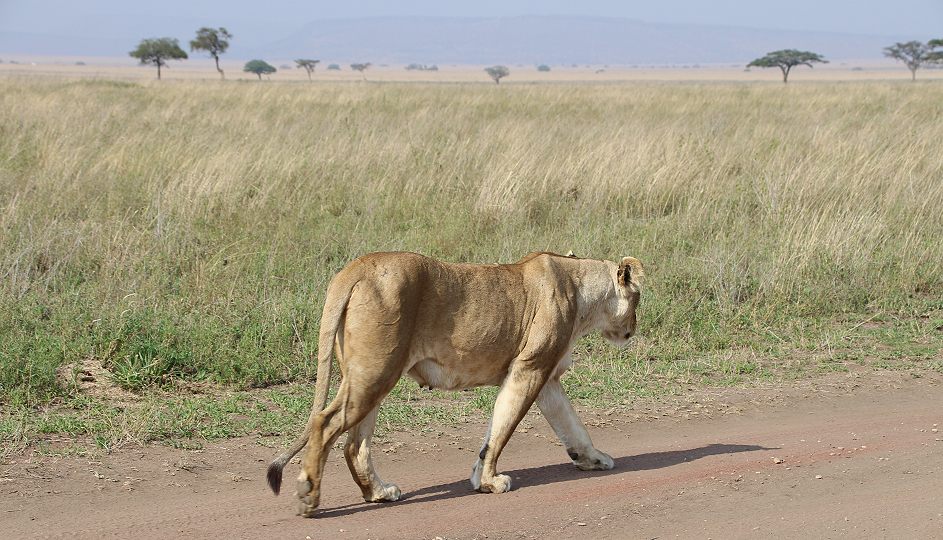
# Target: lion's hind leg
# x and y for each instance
(328, 425)
(349, 407)
(359, 393)
(360, 462)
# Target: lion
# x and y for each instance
(456, 326)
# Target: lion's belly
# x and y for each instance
(442, 367)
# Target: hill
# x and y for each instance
(554, 39)
(478, 40)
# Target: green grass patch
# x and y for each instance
(602, 377)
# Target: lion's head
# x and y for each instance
(621, 315)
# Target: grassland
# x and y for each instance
(198, 69)
(181, 234)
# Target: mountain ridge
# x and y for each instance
(524, 39)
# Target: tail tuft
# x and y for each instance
(275, 476)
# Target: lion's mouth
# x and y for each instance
(618, 338)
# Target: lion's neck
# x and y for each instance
(596, 295)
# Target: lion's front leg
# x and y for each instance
(517, 394)
(475, 477)
(557, 409)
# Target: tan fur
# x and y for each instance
(455, 326)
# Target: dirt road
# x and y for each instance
(861, 458)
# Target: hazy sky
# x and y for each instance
(112, 27)
(920, 18)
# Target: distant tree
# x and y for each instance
(215, 41)
(543, 67)
(361, 68)
(259, 67)
(787, 59)
(497, 73)
(333, 67)
(157, 51)
(422, 67)
(308, 65)
(913, 54)
(935, 55)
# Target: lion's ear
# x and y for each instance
(630, 273)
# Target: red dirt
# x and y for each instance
(859, 459)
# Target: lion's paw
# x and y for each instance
(387, 493)
(475, 477)
(499, 483)
(307, 501)
(594, 460)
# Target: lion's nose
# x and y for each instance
(628, 335)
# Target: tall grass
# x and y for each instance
(186, 231)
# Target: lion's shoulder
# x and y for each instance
(550, 254)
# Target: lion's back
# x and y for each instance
(469, 306)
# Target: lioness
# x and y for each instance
(457, 326)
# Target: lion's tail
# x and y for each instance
(335, 303)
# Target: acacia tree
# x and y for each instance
(215, 41)
(308, 65)
(497, 73)
(361, 68)
(787, 59)
(913, 54)
(259, 67)
(157, 51)
(935, 55)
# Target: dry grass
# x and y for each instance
(185, 231)
(199, 68)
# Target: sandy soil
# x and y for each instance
(853, 455)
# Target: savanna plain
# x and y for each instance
(165, 246)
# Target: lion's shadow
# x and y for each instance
(549, 474)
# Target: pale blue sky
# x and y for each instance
(120, 22)
(897, 17)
